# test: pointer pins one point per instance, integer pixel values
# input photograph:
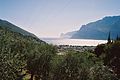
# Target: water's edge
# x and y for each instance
(73, 42)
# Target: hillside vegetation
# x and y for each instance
(14, 28)
(28, 58)
(18, 51)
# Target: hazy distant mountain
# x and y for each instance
(100, 29)
(12, 27)
(67, 35)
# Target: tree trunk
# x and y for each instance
(31, 78)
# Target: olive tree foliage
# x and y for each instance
(101, 72)
(11, 55)
(110, 54)
(38, 63)
(20, 55)
(112, 58)
(14, 50)
(80, 66)
(71, 68)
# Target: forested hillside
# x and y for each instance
(17, 52)
(14, 28)
(27, 58)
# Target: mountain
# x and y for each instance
(67, 35)
(100, 29)
(14, 28)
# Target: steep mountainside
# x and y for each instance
(12, 27)
(100, 29)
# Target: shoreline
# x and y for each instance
(74, 42)
(63, 48)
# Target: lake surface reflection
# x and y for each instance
(74, 42)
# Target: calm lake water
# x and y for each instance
(74, 42)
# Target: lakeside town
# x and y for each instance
(63, 48)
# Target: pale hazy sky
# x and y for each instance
(50, 18)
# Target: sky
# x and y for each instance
(50, 18)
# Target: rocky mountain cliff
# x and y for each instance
(100, 29)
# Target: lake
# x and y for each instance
(73, 42)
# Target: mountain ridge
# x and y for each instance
(14, 28)
(99, 29)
